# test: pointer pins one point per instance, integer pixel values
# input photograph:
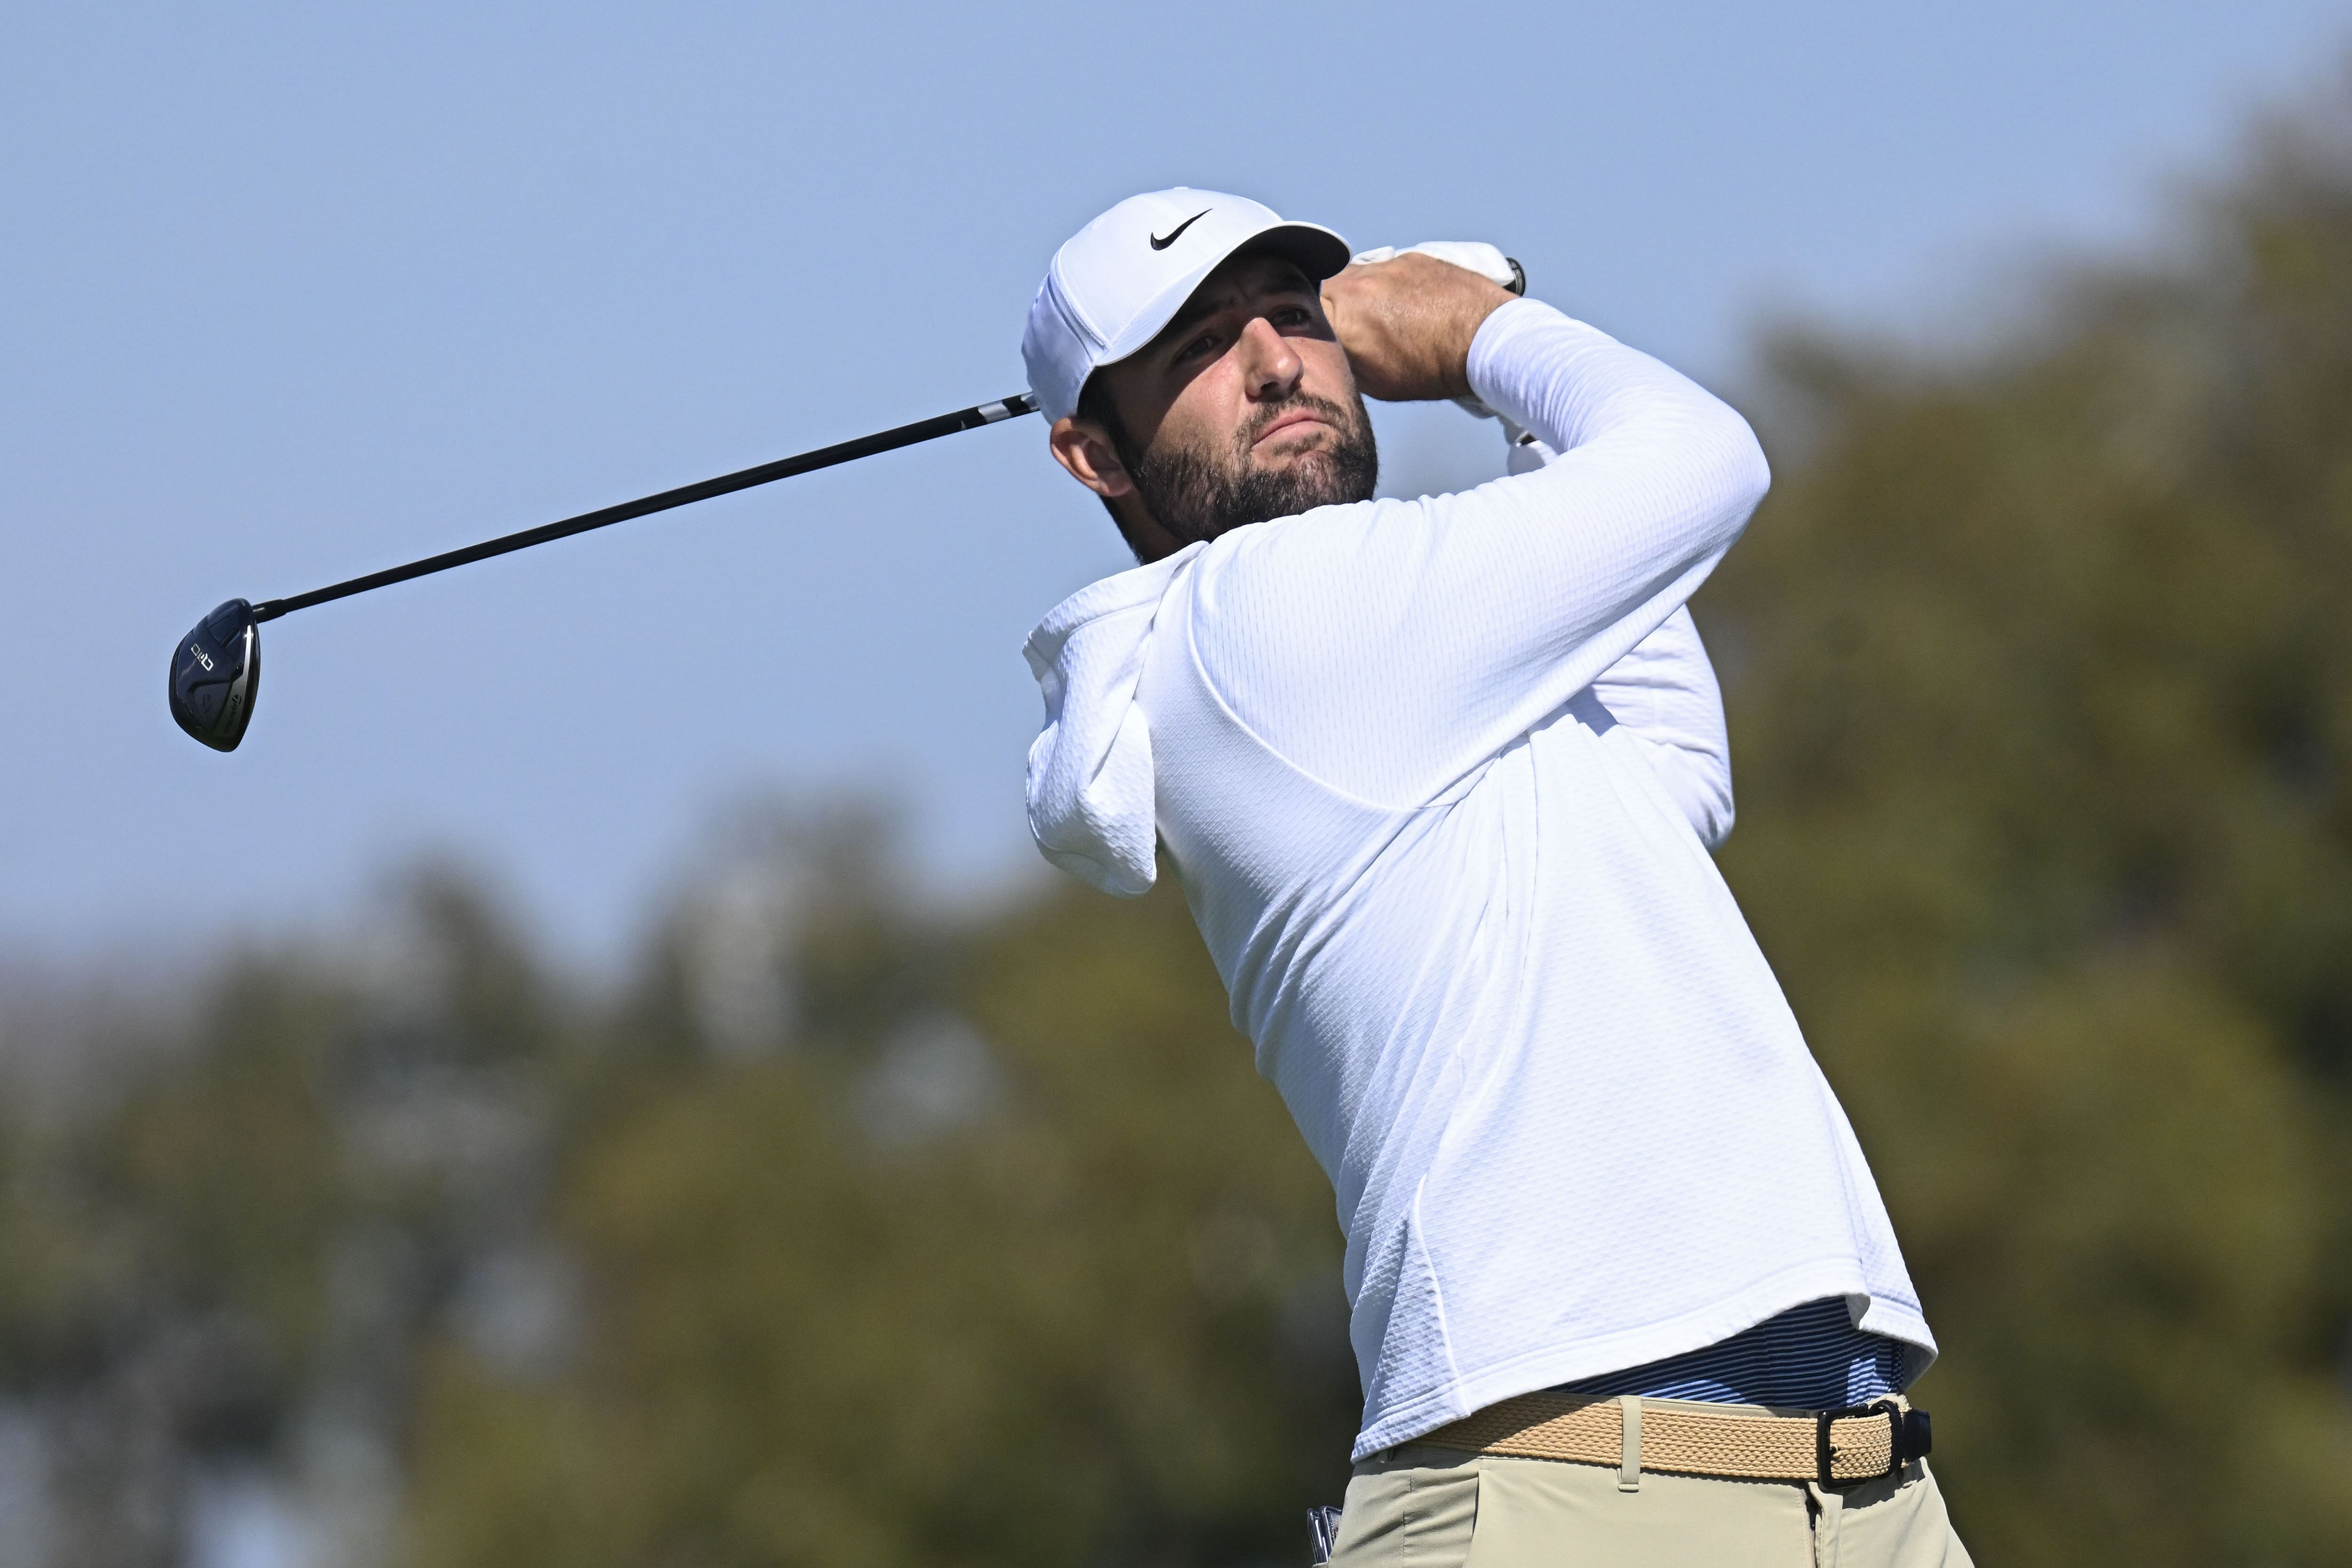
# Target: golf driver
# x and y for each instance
(217, 669)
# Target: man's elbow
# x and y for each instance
(1746, 476)
(1707, 794)
(1698, 778)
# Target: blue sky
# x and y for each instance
(289, 293)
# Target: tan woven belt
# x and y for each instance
(1835, 1447)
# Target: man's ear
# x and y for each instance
(1084, 449)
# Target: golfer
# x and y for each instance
(1439, 779)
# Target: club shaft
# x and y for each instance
(970, 418)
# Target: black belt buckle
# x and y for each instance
(1910, 1436)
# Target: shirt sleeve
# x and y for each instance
(1388, 648)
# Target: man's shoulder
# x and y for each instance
(1255, 568)
(1119, 595)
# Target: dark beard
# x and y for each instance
(1195, 496)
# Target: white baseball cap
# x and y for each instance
(1118, 281)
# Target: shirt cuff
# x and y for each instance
(1515, 355)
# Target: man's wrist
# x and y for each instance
(1476, 315)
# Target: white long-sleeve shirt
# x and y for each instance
(1439, 779)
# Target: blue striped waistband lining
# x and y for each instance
(1811, 1357)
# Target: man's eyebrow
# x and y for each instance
(1208, 302)
(1198, 309)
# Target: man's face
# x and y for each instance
(1243, 408)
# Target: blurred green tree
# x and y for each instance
(1090, 1307)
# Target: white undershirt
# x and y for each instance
(1439, 778)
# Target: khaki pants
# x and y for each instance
(1421, 1505)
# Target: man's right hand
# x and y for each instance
(1407, 324)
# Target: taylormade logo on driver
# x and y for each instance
(1439, 779)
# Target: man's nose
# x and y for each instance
(1271, 368)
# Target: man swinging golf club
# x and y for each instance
(1439, 779)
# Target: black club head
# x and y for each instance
(216, 676)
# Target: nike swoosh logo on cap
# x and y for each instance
(1160, 243)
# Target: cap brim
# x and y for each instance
(1318, 252)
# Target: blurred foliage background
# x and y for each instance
(849, 1231)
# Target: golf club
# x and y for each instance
(216, 669)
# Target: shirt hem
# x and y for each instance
(1895, 1317)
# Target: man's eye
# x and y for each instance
(1204, 343)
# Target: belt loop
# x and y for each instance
(1628, 1467)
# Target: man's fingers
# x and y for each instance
(1471, 255)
